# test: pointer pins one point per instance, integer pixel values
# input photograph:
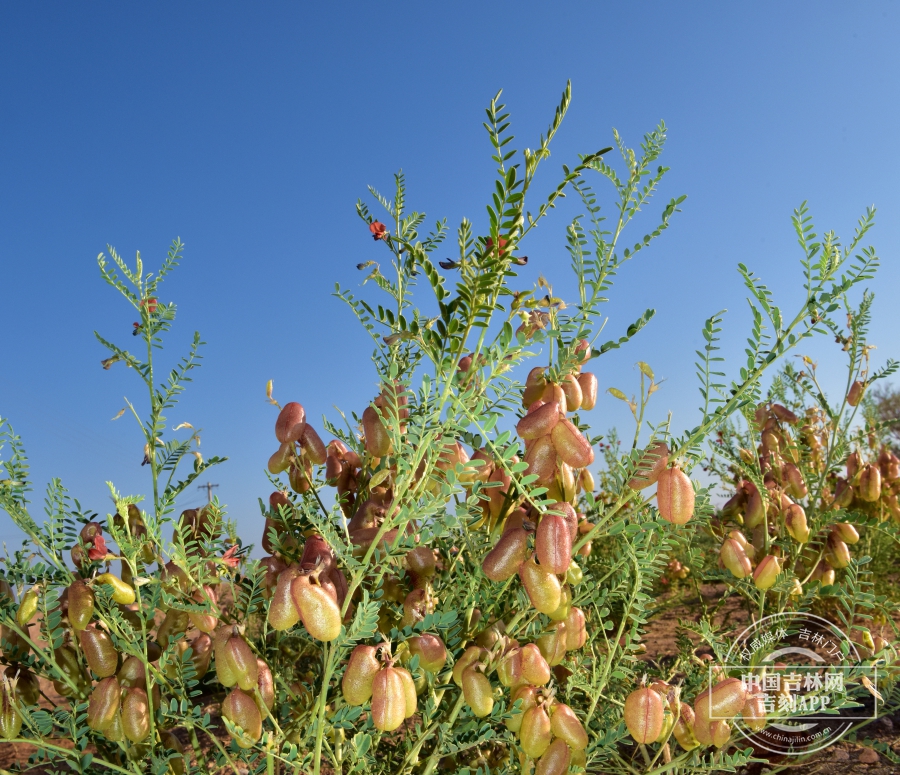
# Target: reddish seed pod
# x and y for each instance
(735, 559)
(281, 459)
(565, 725)
(409, 691)
(869, 483)
(378, 440)
(235, 662)
(794, 480)
(837, 552)
(528, 696)
(846, 532)
(103, 704)
(857, 389)
(477, 691)
(420, 564)
(675, 496)
(503, 561)
(552, 644)
(766, 573)
(722, 701)
(796, 524)
(539, 421)
(99, 652)
(431, 651)
(569, 515)
(553, 543)
(359, 676)
(555, 394)
(313, 446)
(571, 445)
(265, 684)
(283, 614)
(470, 656)
(576, 629)
(201, 653)
(651, 465)
(556, 759)
(588, 383)
(241, 709)
(205, 622)
(316, 552)
(543, 588)
(81, 605)
(535, 670)
(135, 715)
(574, 395)
(889, 464)
(291, 423)
(318, 609)
(644, 715)
(683, 731)
(388, 700)
(535, 734)
(541, 458)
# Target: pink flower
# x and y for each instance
(229, 557)
(378, 229)
(98, 550)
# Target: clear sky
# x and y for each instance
(250, 129)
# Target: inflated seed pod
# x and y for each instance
(172, 743)
(318, 609)
(754, 713)
(280, 461)
(794, 480)
(535, 734)
(574, 394)
(528, 696)
(388, 700)
(535, 670)
(67, 660)
(796, 524)
(571, 445)
(565, 604)
(541, 457)
(556, 759)
(574, 574)
(719, 733)
(565, 725)
(477, 690)
(675, 496)
(81, 605)
(291, 423)
(431, 651)
(588, 383)
(10, 719)
(28, 606)
(174, 624)
(362, 667)
(313, 446)
(131, 673)
(869, 488)
(201, 653)
(721, 701)
(543, 588)
(540, 420)
(99, 651)
(27, 688)
(241, 709)
(576, 629)
(766, 573)
(553, 543)
(283, 613)
(735, 559)
(683, 731)
(652, 464)
(470, 656)
(755, 512)
(122, 593)
(235, 661)
(644, 714)
(265, 683)
(509, 670)
(416, 606)
(103, 704)
(552, 644)
(378, 439)
(135, 715)
(409, 691)
(854, 396)
(837, 552)
(846, 532)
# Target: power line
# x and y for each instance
(209, 488)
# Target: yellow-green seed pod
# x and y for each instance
(122, 593)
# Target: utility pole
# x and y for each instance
(209, 488)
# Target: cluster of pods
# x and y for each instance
(655, 713)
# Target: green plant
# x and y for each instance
(446, 609)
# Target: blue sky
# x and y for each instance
(249, 130)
